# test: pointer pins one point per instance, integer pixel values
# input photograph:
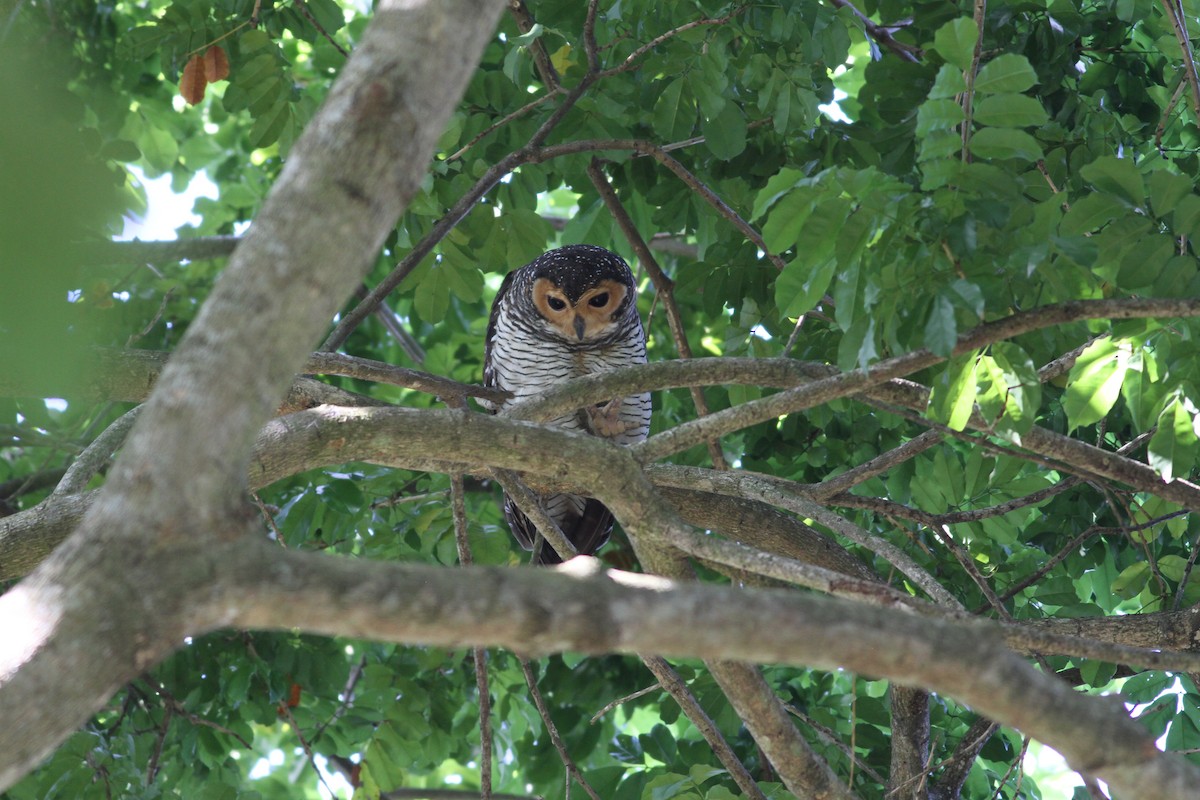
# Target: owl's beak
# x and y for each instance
(579, 326)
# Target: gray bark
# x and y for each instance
(124, 589)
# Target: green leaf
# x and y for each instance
(327, 14)
(940, 144)
(1005, 73)
(725, 134)
(955, 41)
(432, 296)
(709, 97)
(1004, 143)
(674, 118)
(159, 147)
(952, 398)
(1167, 190)
(1175, 278)
(938, 115)
(783, 107)
(966, 295)
(787, 218)
(466, 282)
(778, 185)
(1185, 219)
(1174, 446)
(530, 36)
(270, 126)
(800, 287)
(1172, 567)
(701, 773)
(254, 39)
(1145, 262)
(1091, 213)
(1094, 383)
(1132, 580)
(142, 42)
(948, 84)
(941, 329)
(1010, 111)
(1010, 391)
(1117, 176)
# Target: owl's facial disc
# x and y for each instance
(589, 317)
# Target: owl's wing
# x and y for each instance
(589, 534)
(489, 367)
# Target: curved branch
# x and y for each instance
(581, 608)
(400, 437)
(96, 455)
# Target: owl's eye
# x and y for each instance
(556, 303)
(599, 301)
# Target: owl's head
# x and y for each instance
(581, 291)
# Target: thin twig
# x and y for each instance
(631, 60)
(669, 679)
(520, 112)
(1161, 129)
(1016, 764)
(954, 770)
(622, 700)
(171, 702)
(285, 711)
(555, 739)
(663, 285)
(96, 455)
(541, 59)
(302, 7)
(322, 363)
(159, 740)
(270, 518)
(968, 95)
(881, 33)
(1178, 18)
(458, 509)
(162, 307)
(830, 737)
(847, 480)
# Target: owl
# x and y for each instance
(569, 312)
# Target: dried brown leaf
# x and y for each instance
(216, 64)
(192, 83)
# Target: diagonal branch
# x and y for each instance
(178, 485)
(880, 33)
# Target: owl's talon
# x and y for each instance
(604, 420)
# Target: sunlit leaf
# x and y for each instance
(1094, 383)
(1174, 446)
(953, 395)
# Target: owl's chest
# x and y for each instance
(526, 367)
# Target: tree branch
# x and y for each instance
(580, 608)
(178, 485)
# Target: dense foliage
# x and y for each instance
(969, 169)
